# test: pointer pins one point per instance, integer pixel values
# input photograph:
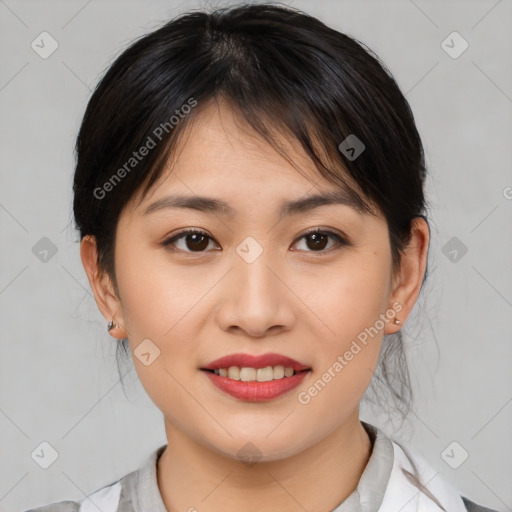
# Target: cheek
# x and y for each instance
(348, 357)
(352, 297)
(155, 294)
(351, 305)
(161, 303)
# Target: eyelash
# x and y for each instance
(341, 241)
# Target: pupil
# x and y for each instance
(316, 244)
(197, 245)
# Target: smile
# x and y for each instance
(248, 386)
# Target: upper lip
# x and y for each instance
(250, 361)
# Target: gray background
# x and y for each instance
(58, 377)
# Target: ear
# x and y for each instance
(407, 284)
(101, 284)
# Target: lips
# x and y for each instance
(261, 361)
(256, 391)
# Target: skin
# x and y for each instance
(293, 300)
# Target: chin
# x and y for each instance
(258, 447)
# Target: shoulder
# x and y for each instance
(471, 506)
(411, 472)
(122, 495)
(62, 506)
(105, 499)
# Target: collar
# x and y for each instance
(387, 483)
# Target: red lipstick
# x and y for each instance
(255, 391)
(262, 361)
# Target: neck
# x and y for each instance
(317, 479)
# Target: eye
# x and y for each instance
(318, 239)
(194, 240)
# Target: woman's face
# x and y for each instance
(257, 285)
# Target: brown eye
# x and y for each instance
(196, 242)
(318, 240)
(192, 241)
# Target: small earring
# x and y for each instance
(111, 325)
(397, 322)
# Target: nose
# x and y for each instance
(256, 299)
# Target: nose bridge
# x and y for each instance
(257, 287)
(257, 300)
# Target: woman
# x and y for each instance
(249, 196)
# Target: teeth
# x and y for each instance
(252, 374)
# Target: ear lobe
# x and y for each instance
(412, 270)
(101, 284)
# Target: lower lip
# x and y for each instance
(256, 391)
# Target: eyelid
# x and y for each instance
(181, 234)
(325, 231)
(341, 239)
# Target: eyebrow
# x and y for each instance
(290, 207)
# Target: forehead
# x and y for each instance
(217, 141)
(218, 154)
